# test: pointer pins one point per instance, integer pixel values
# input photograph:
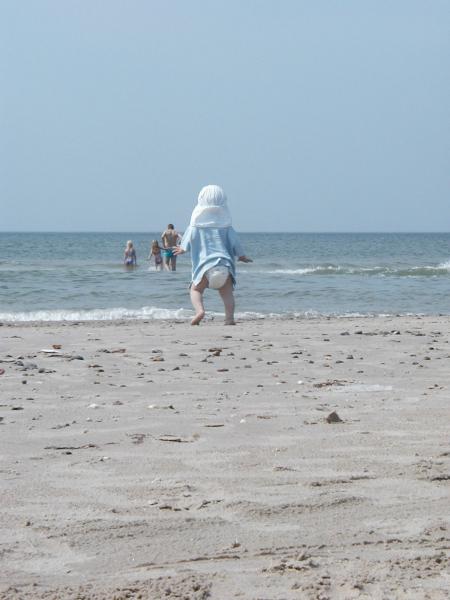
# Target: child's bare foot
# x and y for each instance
(232, 322)
(198, 317)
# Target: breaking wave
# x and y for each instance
(443, 269)
(148, 313)
(107, 314)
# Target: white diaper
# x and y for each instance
(217, 276)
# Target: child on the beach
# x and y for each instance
(213, 244)
(155, 255)
(129, 257)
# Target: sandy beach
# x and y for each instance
(273, 460)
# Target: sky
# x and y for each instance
(313, 115)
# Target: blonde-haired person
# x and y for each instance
(213, 244)
(129, 256)
(155, 255)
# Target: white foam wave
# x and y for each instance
(413, 271)
(107, 314)
(120, 314)
(164, 314)
(304, 271)
(445, 266)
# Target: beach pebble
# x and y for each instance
(29, 366)
(333, 417)
(93, 405)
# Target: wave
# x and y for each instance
(93, 271)
(443, 269)
(98, 314)
(149, 313)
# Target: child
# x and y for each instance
(129, 257)
(155, 255)
(213, 244)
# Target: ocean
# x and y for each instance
(80, 276)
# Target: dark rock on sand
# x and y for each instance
(333, 417)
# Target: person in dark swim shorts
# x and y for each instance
(170, 239)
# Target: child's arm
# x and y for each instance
(237, 248)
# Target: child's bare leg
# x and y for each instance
(197, 300)
(226, 293)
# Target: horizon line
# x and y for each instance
(315, 232)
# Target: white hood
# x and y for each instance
(211, 209)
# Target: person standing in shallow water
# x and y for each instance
(155, 255)
(129, 256)
(170, 238)
(213, 244)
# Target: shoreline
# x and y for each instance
(156, 459)
(216, 318)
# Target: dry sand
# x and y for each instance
(158, 460)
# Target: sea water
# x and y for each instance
(80, 276)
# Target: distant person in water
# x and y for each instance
(170, 238)
(213, 244)
(155, 255)
(129, 257)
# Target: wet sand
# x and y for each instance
(271, 460)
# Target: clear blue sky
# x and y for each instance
(313, 115)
